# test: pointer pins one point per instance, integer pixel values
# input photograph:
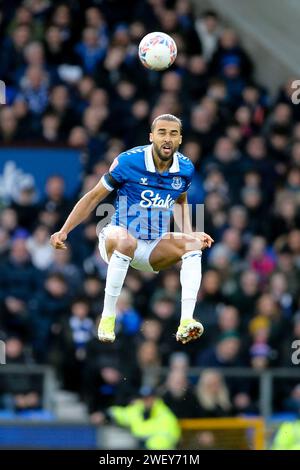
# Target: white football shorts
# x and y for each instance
(142, 253)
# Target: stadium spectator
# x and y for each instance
(287, 436)
(150, 421)
(224, 354)
(18, 277)
(19, 393)
(8, 126)
(61, 263)
(213, 395)
(208, 30)
(246, 151)
(178, 395)
(47, 309)
(73, 334)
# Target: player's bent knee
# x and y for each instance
(119, 239)
(126, 246)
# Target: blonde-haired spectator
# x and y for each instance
(213, 395)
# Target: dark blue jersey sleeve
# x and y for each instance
(189, 177)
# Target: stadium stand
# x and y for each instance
(76, 97)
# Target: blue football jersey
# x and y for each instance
(146, 197)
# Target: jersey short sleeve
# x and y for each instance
(118, 173)
(189, 176)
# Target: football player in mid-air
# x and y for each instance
(152, 183)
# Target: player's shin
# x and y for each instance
(116, 273)
(190, 278)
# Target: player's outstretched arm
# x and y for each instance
(80, 212)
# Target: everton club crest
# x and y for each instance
(177, 182)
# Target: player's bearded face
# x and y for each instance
(166, 138)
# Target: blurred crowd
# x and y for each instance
(73, 78)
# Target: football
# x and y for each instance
(157, 51)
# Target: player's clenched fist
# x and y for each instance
(57, 240)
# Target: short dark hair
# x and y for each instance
(166, 117)
(80, 300)
(210, 13)
(57, 276)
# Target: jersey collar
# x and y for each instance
(149, 163)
